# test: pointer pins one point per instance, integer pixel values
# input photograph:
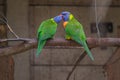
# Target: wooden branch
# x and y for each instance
(15, 39)
(55, 43)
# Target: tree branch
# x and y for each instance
(55, 43)
(81, 57)
(15, 39)
(4, 20)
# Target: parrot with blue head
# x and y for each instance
(74, 30)
(46, 30)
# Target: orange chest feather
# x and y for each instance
(64, 24)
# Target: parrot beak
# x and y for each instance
(61, 16)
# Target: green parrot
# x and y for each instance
(46, 30)
(74, 30)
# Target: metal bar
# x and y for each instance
(5, 7)
(37, 5)
(67, 65)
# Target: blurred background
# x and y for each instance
(25, 16)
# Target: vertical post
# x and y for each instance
(6, 62)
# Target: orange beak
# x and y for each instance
(64, 24)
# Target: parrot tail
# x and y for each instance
(88, 51)
(40, 46)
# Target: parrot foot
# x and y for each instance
(67, 37)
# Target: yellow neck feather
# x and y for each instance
(71, 16)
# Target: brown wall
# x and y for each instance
(28, 67)
(113, 67)
(6, 63)
(63, 59)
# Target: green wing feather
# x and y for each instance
(75, 30)
(45, 31)
(40, 46)
(88, 50)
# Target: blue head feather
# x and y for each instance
(65, 15)
(57, 19)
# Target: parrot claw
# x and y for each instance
(67, 37)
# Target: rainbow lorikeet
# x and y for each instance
(74, 30)
(46, 30)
